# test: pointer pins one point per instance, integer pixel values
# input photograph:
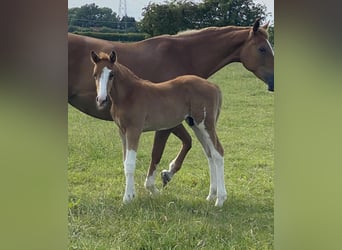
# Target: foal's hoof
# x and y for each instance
(220, 200)
(211, 197)
(128, 198)
(166, 177)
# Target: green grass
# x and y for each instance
(180, 217)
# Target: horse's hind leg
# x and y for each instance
(176, 163)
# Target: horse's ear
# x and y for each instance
(256, 25)
(265, 26)
(94, 57)
(112, 56)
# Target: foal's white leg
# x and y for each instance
(216, 165)
(129, 166)
(213, 179)
(203, 137)
(221, 189)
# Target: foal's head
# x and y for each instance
(103, 74)
(257, 54)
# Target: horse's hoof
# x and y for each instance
(153, 190)
(166, 177)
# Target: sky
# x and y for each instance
(134, 7)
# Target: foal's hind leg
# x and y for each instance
(214, 152)
(219, 163)
(203, 139)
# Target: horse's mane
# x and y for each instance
(194, 32)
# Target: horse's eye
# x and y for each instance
(111, 75)
(262, 50)
(95, 76)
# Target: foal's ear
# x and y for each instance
(94, 57)
(256, 25)
(112, 56)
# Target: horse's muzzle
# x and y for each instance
(271, 87)
(101, 102)
(270, 83)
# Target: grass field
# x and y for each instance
(180, 217)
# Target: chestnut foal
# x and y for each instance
(139, 105)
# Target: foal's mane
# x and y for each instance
(103, 56)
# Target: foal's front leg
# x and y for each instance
(132, 140)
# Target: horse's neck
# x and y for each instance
(212, 49)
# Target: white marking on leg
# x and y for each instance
(213, 181)
(150, 182)
(221, 189)
(129, 165)
(171, 167)
(216, 165)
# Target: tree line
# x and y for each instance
(169, 17)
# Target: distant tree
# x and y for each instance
(128, 24)
(168, 18)
(92, 16)
(230, 12)
(173, 16)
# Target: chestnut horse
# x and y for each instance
(139, 105)
(162, 58)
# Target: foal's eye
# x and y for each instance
(111, 75)
(95, 76)
(262, 50)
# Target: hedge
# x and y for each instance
(122, 37)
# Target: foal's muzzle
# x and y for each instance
(101, 102)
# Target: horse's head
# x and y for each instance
(257, 54)
(103, 75)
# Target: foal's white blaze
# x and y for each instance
(129, 165)
(103, 82)
(268, 42)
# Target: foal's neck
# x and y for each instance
(125, 81)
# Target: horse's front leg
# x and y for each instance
(176, 163)
(160, 138)
(132, 140)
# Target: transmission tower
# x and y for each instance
(122, 8)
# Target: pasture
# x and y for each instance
(180, 217)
